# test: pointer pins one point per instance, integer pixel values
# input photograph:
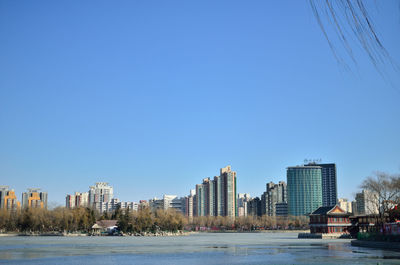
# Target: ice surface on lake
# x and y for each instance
(203, 248)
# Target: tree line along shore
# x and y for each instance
(61, 220)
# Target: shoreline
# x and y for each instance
(254, 231)
(58, 234)
(376, 244)
(143, 234)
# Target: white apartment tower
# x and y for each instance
(99, 195)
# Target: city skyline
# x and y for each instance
(208, 183)
(153, 98)
(308, 187)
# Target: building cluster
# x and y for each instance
(308, 187)
(32, 198)
(99, 197)
(213, 197)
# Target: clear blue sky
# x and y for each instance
(154, 96)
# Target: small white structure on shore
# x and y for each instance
(104, 226)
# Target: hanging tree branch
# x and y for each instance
(353, 16)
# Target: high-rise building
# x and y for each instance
(345, 205)
(229, 192)
(209, 186)
(329, 183)
(275, 193)
(366, 203)
(70, 201)
(82, 199)
(100, 194)
(206, 199)
(254, 207)
(201, 200)
(8, 199)
(79, 199)
(281, 209)
(304, 189)
(217, 197)
(242, 201)
(189, 204)
(34, 198)
(195, 205)
(354, 207)
(3, 193)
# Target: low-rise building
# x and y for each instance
(156, 204)
(132, 206)
(167, 202)
(329, 219)
(104, 227)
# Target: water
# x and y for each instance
(203, 248)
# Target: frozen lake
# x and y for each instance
(203, 248)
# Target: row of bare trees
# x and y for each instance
(43, 220)
(247, 223)
(144, 220)
(385, 194)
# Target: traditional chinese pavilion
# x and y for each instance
(329, 219)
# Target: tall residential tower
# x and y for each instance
(100, 194)
(34, 198)
(275, 195)
(8, 199)
(229, 193)
(217, 197)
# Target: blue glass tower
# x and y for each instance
(304, 189)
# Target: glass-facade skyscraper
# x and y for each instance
(304, 189)
(329, 183)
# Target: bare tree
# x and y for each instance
(384, 192)
(351, 20)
